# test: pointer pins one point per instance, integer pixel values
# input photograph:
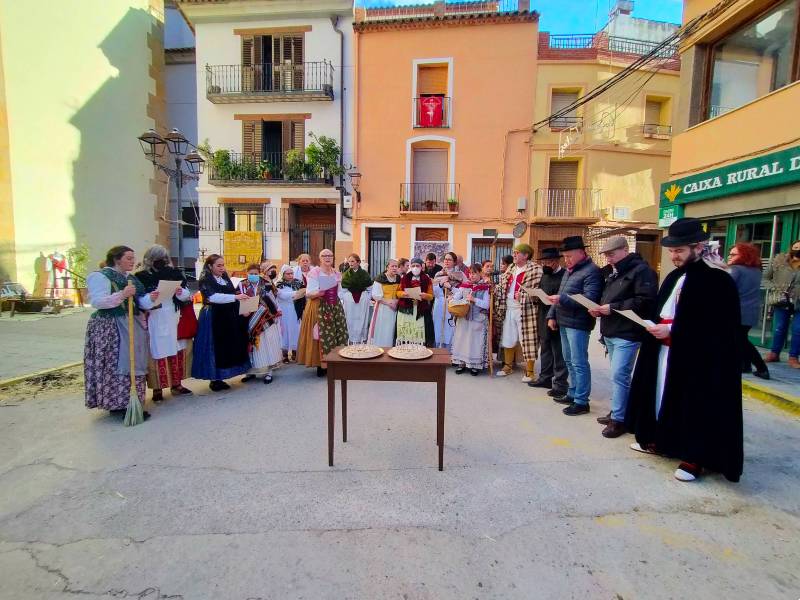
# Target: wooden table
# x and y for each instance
(386, 368)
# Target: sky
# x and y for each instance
(576, 16)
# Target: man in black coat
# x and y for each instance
(553, 370)
(630, 284)
(686, 393)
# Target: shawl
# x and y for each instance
(261, 319)
(118, 283)
(294, 285)
(150, 279)
(384, 280)
(356, 281)
(406, 305)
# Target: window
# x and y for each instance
(273, 62)
(754, 60)
(431, 104)
(244, 218)
(190, 217)
(559, 100)
(656, 118)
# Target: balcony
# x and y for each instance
(268, 168)
(657, 132)
(569, 204)
(431, 112)
(432, 198)
(564, 123)
(288, 82)
(602, 46)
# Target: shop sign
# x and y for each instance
(667, 215)
(766, 171)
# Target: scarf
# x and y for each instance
(151, 277)
(356, 281)
(406, 305)
(384, 280)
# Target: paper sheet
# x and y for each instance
(413, 293)
(538, 293)
(248, 305)
(166, 290)
(629, 314)
(236, 281)
(584, 301)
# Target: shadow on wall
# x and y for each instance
(111, 178)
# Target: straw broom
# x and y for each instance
(135, 413)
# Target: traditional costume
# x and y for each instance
(470, 340)
(444, 326)
(264, 330)
(323, 326)
(517, 311)
(220, 347)
(168, 365)
(106, 358)
(414, 318)
(383, 329)
(291, 310)
(686, 393)
(355, 296)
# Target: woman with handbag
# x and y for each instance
(744, 262)
(167, 365)
(783, 282)
(470, 340)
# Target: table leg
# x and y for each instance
(440, 418)
(344, 410)
(331, 414)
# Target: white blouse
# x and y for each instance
(100, 295)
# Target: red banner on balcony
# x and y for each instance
(431, 111)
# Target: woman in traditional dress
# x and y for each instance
(445, 281)
(302, 268)
(414, 322)
(356, 285)
(167, 366)
(106, 355)
(470, 350)
(263, 326)
(220, 347)
(384, 317)
(291, 302)
(323, 326)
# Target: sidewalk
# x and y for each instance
(783, 387)
(35, 342)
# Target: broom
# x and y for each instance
(135, 413)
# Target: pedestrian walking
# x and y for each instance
(517, 311)
(106, 354)
(167, 365)
(783, 282)
(553, 374)
(631, 285)
(220, 347)
(686, 394)
(574, 323)
(744, 262)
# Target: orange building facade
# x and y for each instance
(444, 105)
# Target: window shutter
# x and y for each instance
(258, 144)
(299, 135)
(652, 112)
(432, 81)
(247, 63)
(286, 135)
(248, 138)
(561, 100)
(563, 175)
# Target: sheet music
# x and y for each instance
(538, 293)
(584, 301)
(629, 314)
(166, 290)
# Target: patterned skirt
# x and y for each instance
(332, 327)
(105, 387)
(167, 372)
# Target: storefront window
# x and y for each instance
(760, 234)
(754, 60)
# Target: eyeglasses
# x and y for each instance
(326, 255)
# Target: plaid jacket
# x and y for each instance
(530, 306)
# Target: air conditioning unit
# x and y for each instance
(622, 213)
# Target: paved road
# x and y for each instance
(229, 496)
(36, 342)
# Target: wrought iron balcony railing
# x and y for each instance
(264, 167)
(570, 203)
(264, 83)
(429, 197)
(566, 123)
(432, 112)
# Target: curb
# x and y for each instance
(768, 395)
(21, 378)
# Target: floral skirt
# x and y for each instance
(323, 328)
(332, 327)
(104, 387)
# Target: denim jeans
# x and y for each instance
(783, 321)
(622, 354)
(575, 348)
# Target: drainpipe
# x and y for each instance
(335, 24)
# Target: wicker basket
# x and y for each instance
(458, 309)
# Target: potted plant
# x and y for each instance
(295, 165)
(323, 155)
(78, 257)
(452, 204)
(429, 205)
(265, 169)
(403, 204)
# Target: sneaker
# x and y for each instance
(565, 399)
(503, 372)
(605, 420)
(527, 379)
(647, 449)
(576, 409)
(687, 472)
(614, 429)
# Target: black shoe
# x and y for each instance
(218, 386)
(605, 420)
(321, 372)
(158, 395)
(248, 377)
(268, 379)
(564, 399)
(146, 415)
(541, 383)
(474, 372)
(762, 374)
(460, 370)
(576, 409)
(557, 393)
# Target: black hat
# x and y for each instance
(573, 242)
(683, 232)
(549, 254)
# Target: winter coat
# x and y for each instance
(633, 287)
(584, 278)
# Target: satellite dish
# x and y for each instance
(520, 229)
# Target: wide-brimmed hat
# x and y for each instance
(549, 254)
(617, 242)
(683, 232)
(572, 242)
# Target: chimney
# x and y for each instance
(621, 7)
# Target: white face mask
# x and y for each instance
(416, 271)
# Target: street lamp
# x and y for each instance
(177, 144)
(355, 182)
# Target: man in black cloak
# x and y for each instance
(686, 393)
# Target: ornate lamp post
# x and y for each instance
(355, 182)
(153, 147)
